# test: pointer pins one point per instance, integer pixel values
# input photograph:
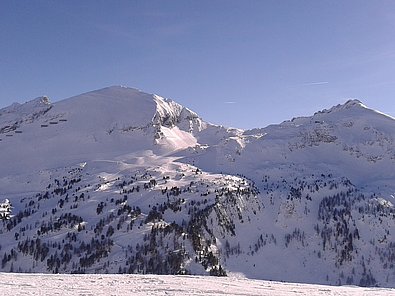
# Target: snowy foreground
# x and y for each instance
(44, 284)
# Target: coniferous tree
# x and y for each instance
(5, 210)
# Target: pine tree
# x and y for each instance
(5, 210)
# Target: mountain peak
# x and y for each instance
(353, 102)
(352, 108)
(349, 104)
(114, 92)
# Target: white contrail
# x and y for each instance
(315, 83)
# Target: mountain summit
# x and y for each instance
(120, 181)
(110, 121)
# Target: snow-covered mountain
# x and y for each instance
(117, 180)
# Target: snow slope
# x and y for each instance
(90, 126)
(120, 181)
(44, 284)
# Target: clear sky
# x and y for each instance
(238, 63)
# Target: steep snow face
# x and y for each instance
(170, 113)
(177, 126)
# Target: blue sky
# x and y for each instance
(238, 63)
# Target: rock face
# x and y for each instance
(117, 180)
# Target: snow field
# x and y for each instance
(156, 285)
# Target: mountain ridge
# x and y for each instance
(120, 181)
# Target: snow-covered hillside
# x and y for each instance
(120, 181)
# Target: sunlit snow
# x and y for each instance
(155, 285)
